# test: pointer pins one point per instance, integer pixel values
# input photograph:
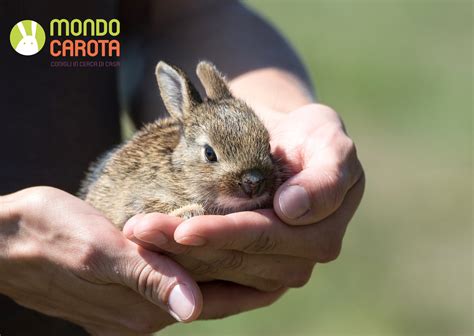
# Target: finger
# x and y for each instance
(128, 233)
(154, 231)
(152, 228)
(158, 279)
(199, 269)
(262, 232)
(263, 272)
(218, 294)
(319, 189)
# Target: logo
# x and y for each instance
(27, 37)
(71, 43)
(84, 38)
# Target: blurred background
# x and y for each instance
(400, 73)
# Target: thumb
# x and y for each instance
(159, 280)
(311, 195)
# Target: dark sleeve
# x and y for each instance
(53, 123)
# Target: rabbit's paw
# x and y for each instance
(188, 211)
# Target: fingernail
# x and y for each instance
(294, 202)
(191, 240)
(154, 237)
(132, 221)
(130, 225)
(181, 302)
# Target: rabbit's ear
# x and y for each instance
(33, 28)
(22, 29)
(177, 92)
(213, 81)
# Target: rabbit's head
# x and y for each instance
(223, 158)
(28, 44)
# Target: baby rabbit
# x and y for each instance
(210, 157)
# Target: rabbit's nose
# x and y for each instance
(252, 182)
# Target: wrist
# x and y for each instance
(278, 90)
(10, 214)
(9, 228)
(272, 93)
(15, 247)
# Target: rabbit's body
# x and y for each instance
(209, 157)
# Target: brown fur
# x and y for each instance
(163, 167)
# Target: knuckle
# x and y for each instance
(26, 252)
(299, 278)
(351, 164)
(228, 244)
(201, 269)
(262, 243)
(350, 149)
(232, 261)
(269, 285)
(43, 192)
(144, 281)
(332, 131)
(332, 189)
(329, 250)
(36, 197)
(350, 145)
(177, 249)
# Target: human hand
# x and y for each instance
(258, 249)
(328, 176)
(60, 256)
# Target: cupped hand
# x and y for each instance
(61, 257)
(327, 174)
(260, 249)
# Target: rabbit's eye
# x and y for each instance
(210, 154)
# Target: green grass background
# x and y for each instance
(400, 73)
